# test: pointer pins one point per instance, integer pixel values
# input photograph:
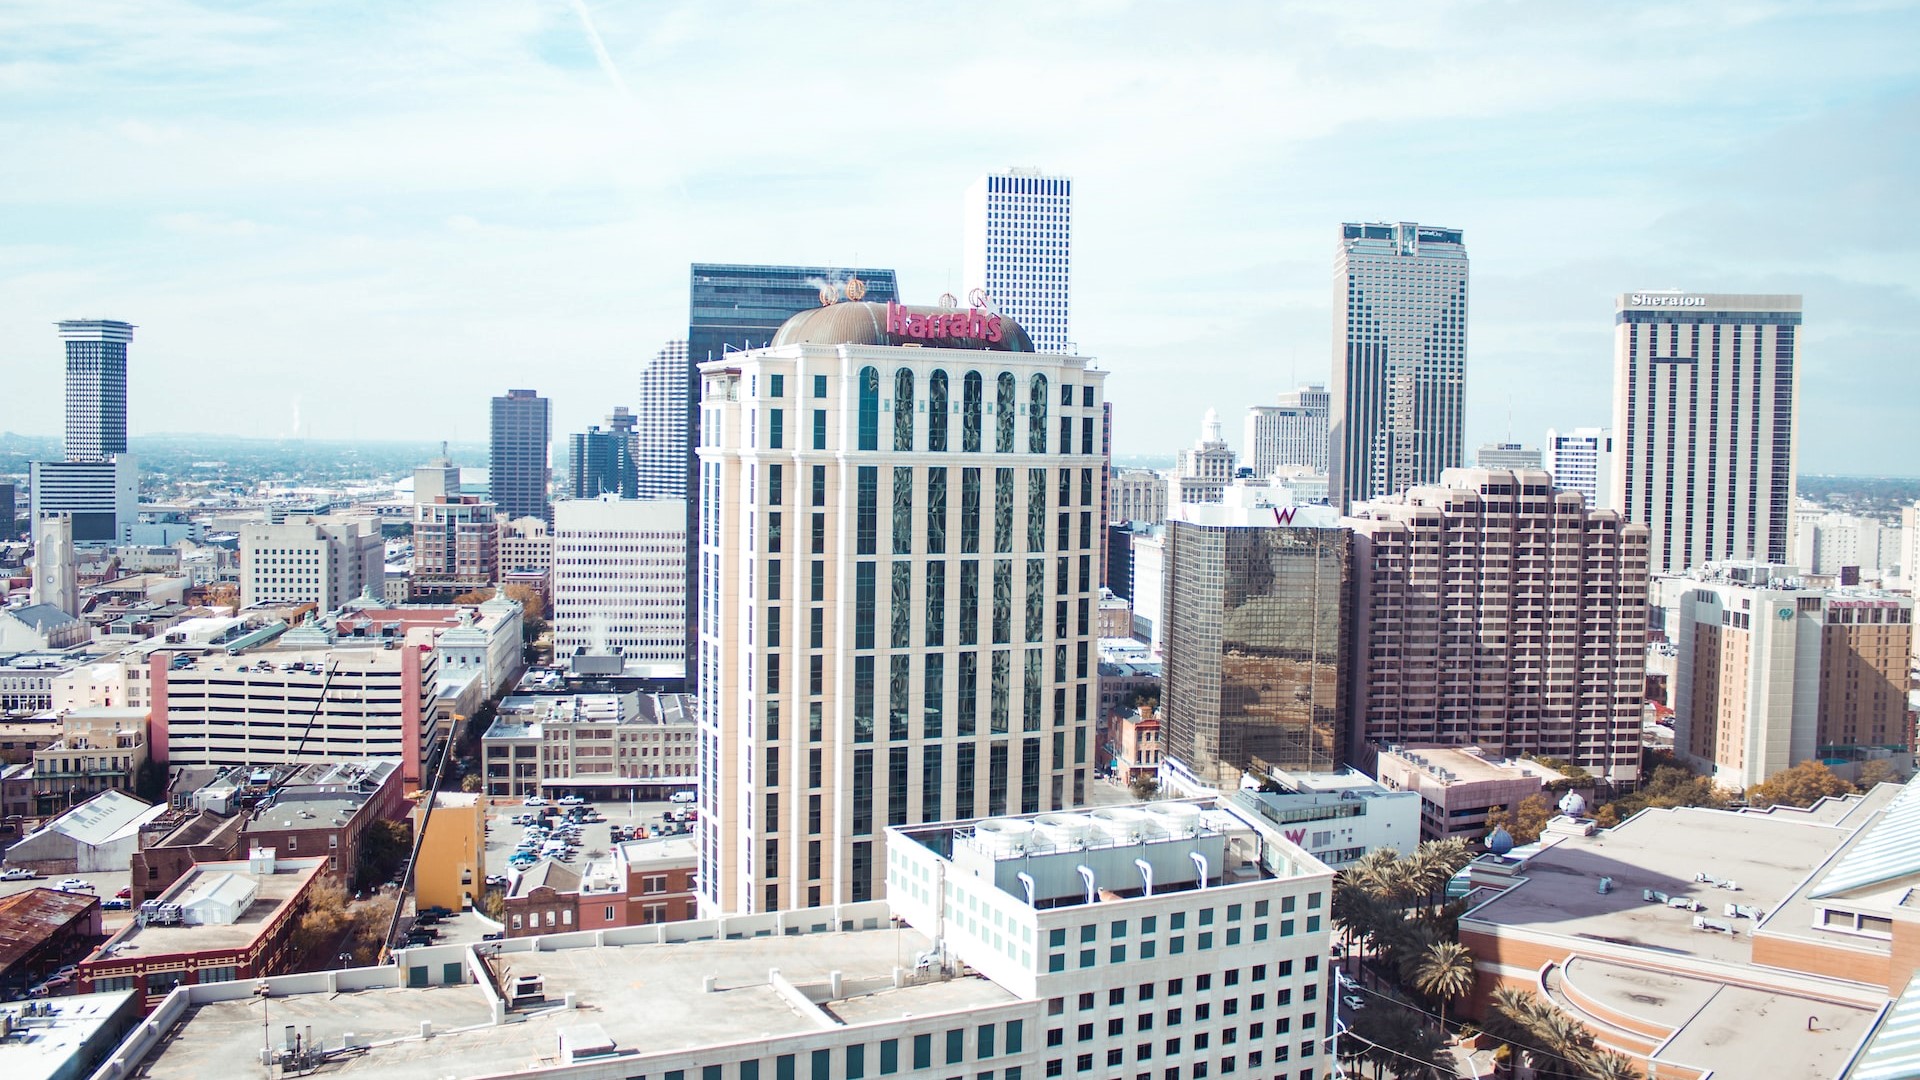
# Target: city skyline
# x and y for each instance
(427, 249)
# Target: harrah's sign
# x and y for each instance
(972, 324)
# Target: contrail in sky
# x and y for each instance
(600, 49)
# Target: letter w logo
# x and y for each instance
(1283, 515)
(1296, 835)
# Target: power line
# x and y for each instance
(1411, 1007)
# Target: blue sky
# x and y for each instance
(347, 220)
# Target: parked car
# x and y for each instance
(683, 796)
(125, 892)
(496, 881)
(443, 912)
(74, 884)
(1354, 1002)
(17, 873)
(535, 800)
(572, 800)
(116, 904)
(494, 936)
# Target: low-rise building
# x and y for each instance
(1458, 785)
(223, 921)
(1670, 935)
(97, 836)
(450, 867)
(40, 931)
(637, 883)
(606, 746)
(38, 628)
(1337, 816)
(166, 856)
(1132, 748)
(101, 749)
(325, 810)
(65, 1038)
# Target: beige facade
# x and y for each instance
(1497, 611)
(1704, 402)
(1458, 786)
(1769, 674)
(1139, 495)
(310, 560)
(526, 544)
(604, 745)
(899, 573)
(99, 750)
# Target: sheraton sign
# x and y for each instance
(972, 324)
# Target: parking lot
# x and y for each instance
(504, 837)
(105, 886)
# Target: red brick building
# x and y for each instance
(641, 882)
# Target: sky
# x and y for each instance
(341, 220)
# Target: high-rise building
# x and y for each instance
(9, 511)
(1494, 611)
(520, 464)
(619, 579)
(1205, 469)
(1399, 358)
(1510, 456)
(456, 547)
(1257, 637)
(1294, 432)
(310, 561)
(733, 307)
(660, 433)
(1580, 460)
(1703, 417)
(438, 479)
(899, 571)
(1019, 250)
(96, 387)
(1829, 542)
(605, 462)
(1769, 673)
(100, 497)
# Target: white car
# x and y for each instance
(1354, 1002)
(682, 796)
(74, 884)
(572, 800)
(18, 873)
(535, 800)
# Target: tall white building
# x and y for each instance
(620, 579)
(1580, 460)
(1704, 403)
(96, 387)
(1399, 358)
(54, 580)
(101, 498)
(311, 560)
(1294, 432)
(899, 566)
(660, 436)
(1826, 541)
(1205, 469)
(1019, 248)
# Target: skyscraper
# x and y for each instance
(1494, 611)
(1507, 455)
(733, 307)
(521, 462)
(1019, 249)
(1258, 624)
(900, 565)
(1703, 417)
(1399, 358)
(1294, 432)
(619, 579)
(1580, 460)
(660, 431)
(96, 387)
(603, 462)
(1204, 470)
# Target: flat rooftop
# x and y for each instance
(1766, 855)
(44, 1046)
(274, 890)
(645, 997)
(1473, 768)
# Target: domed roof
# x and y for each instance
(868, 323)
(1499, 841)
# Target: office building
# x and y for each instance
(1294, 432)
(456, 547)
(1222, 938)
(602, 746)
(1704, 407)
(526, 548)
(1497, 612)
(1019, 251)
(1671, 934)
(1256, 642)
(660, 428)
(1510, 456)
(1205, 469)
(55, 577)
(1580, 460)
(437, 480)
(321, 561)
(1337, 816)
(1459, 786)
(520, 464)
(1399, 358)
(734, 307)
(96, 387)
(899, 570)
(101, 497)
(1769, 673)
(1831, 542)
(9, 511)
(602, 462)
(1139, 495)
(619, 579)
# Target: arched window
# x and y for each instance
(1037, 414)
(903, 409)
(937, 411)
(971, 390)
(1003, 414)
(869, 408)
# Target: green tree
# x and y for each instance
(1144, 787)
(384, 850)
(494, 903)
(1803, 785)
(1444, 972)
(471, 783)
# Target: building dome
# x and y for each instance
(1499, 841)
(869, 323)
(1573, 805)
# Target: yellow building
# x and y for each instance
(451, 868)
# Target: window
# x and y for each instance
(971, 393)
(903, 409)
(956, 1045)
(819, 429)
(923, 1051)
(1037, 414)
(869, 413)
(937, 412)
(1003, 413)
(777, 428)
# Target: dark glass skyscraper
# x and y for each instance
(603, 462)
(521, 464)
(739, 306)
(1258, 626)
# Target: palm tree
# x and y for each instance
(1445, 972)
(1607, 1065)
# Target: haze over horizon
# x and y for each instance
(352, 226)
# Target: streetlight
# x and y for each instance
(263, 991)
